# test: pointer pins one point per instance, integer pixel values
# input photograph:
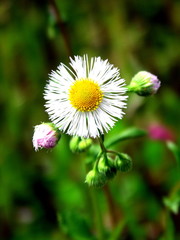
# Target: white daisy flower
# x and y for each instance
(85, 100)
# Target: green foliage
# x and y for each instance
(75, 225)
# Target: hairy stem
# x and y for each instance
(101, 142)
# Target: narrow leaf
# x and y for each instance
(127, 134)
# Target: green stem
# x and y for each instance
(113, 211)
(97, 161)
(101, 142)
(104, 150)
(129, 89)
(97, 214)
(62, 26)
(116, 233)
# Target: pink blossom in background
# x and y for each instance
(160, 132)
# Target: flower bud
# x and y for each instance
(78, 144)
(161, 132)
(123, 162)
(106, 167)
(102, 165)
(95, 178)
(144, 84)
(74, 143)
(46, 135)
(84, 144)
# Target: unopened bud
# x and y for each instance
(46, 135)
(144, 84)
(74, 144)
(123, 162)
(95, 178)
(78, 144)
(84, 144)
(106, 167)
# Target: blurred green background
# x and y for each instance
(42, 194)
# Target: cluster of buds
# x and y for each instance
(105, 168)
(78, 144)
(46, 135)
(144, 84)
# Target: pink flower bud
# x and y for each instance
(144, 84)
(46, 135)
(160, 132)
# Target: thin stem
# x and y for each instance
(97, 214)
(102, 145)
(113, 211)
(61, 26)
(129, 89)
(97, 161)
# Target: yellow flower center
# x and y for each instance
(85, 95)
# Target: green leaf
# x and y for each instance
(173, 202)
(175, 151)
(129, 133)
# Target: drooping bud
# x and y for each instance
(102, 164)
(144, 84)
(95, 178)
(105, 166)
(123, 162)
(78, 144)
(46, 135)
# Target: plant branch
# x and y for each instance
(62, 26)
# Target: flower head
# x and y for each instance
(85, 100)
(45, 136)
(144, 84)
